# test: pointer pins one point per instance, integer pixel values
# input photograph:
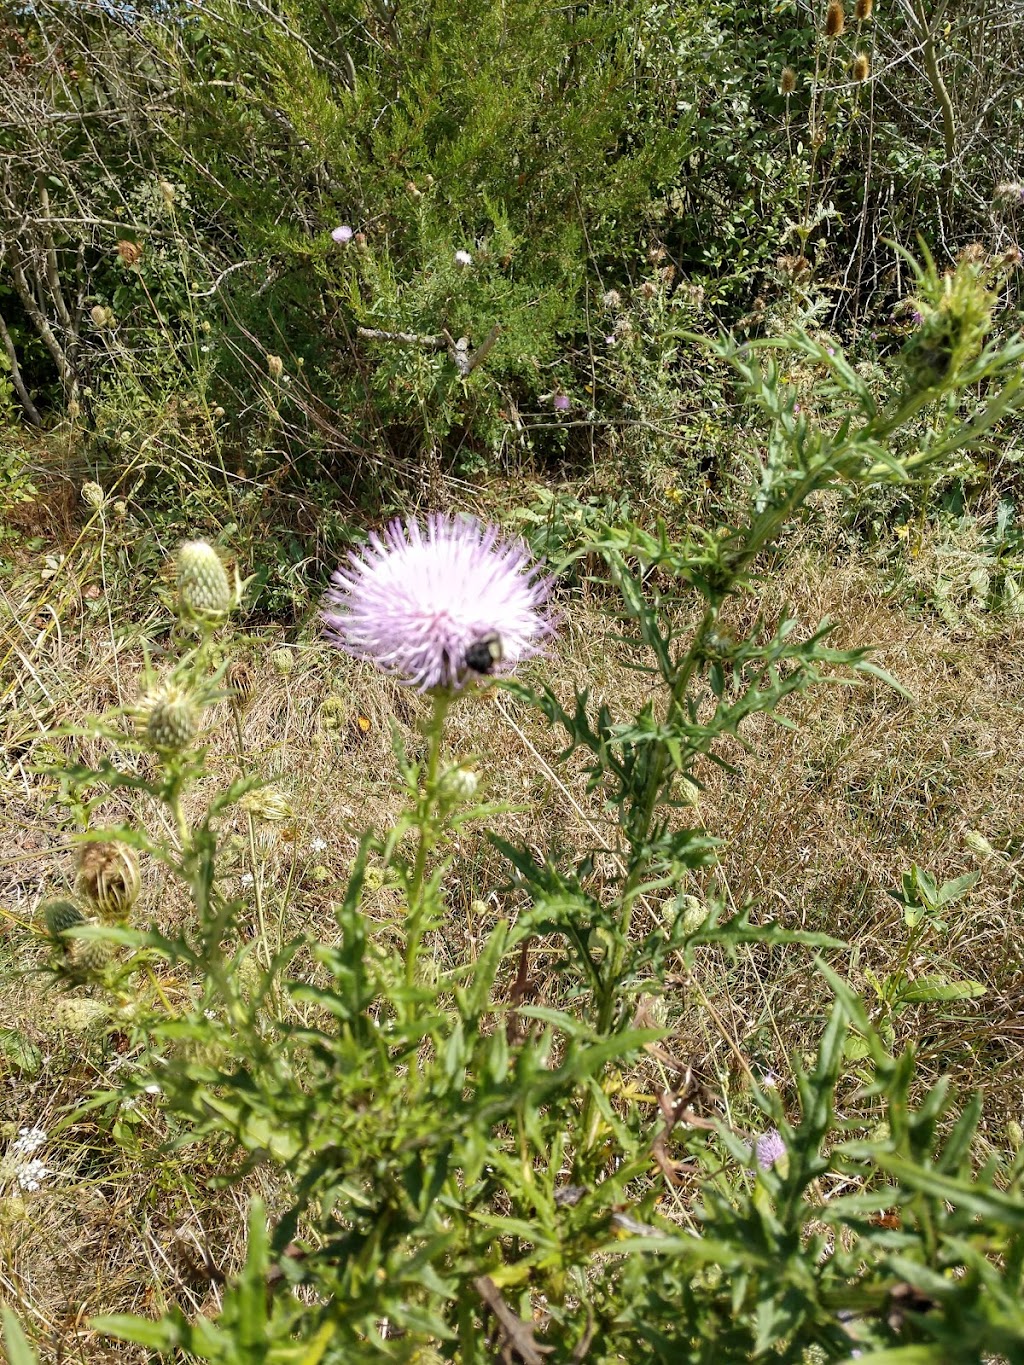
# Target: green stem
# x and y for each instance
(426, 820)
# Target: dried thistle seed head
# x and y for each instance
(167, 191)
(78, 1015)
(129, 252)
(203, 587)
(861, 67)
(863, 9)
(612, 300)
(59, 917)
(835, 19)
(108, 878)
(268, 803)
(172, 719)
(1008, 192)
(98, 315)
(787, 81)
(460, 784)
(275, 366)
(241, 683)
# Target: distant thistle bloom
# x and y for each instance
(787, 81)
(562, 402)
(108, 877)
(463, 259)
(768, 1148)
(441, 605)
(835, 19)
(343, 234)
(861, 67)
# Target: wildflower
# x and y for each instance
(427, 604)
(787, 81)
(120, 508)
(28, 1141)
(769, 1148)
(835, 19)
(460, 784)
(275, 366)
(861, 67)
(612, 300)
(463, 259)
(92, 494)
(167, 192)
(317, 845)
(343, 234)
(246, 879)
(562, 402)
(32, 1174)
(268, 803)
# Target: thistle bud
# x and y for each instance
(203, 587)
(218, 413)
(861, 67)
(172, 719)
(275, 366)
(863, 10)
(90, 955)
(479, 909)
(283, 661)
(79, 1016)
(167, 192)
(835, 19)
(787, 81)
(59, 916)
(92, 494)
(108, 877)
(460, 784)
(98, 315)
(978, 844)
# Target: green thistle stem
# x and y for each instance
(429, 831)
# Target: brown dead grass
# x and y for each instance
(815, 823)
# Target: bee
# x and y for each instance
(483, 654)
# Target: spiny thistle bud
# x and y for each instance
(98, 315)
(955, 317)
(79, 1016)
(92, 494)
(172, 719)
(1015, 1133)
(283, 661)
(59, 916)
(835, 19)
(203, 587)
(861, 67)
(787, 81)
(862, 10)
(241, 684)
(978, 844)
(90, 955)
(275, 366)
(333, 713)
(268, 803)
(108, 877)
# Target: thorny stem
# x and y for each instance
(426, 821)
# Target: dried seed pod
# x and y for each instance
(861, 67)
(108, 878)
(129, 252)
(241, 684)
(787, 81)
(835, 19)
(863, 10)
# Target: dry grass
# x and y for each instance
(815, 823)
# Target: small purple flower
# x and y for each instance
(768, 1148)
(343, 234)
(797, 409)
(441, 606)
(562, 402)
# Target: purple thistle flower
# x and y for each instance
(562, 402)
(440, 607)
(343, 234)
(768, 1148)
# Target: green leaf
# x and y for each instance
(22, 1054)
(938, 988)
(19, 1352)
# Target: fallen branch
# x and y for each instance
(459, 353)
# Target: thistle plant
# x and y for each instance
(465, 1172)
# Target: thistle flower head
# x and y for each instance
(93, 494)
(835, 19)
(78, 1015)
(861, 67)
(441, 605)
(787, 81)
(171, 719)
(343, 234)
(59, 916)
(203, 587)
(463, 259)
(863, 10)
(108, 877)
(768, 1148)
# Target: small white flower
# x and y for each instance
(463, 259)
(152, 1090)
(317, 845)
(28, 1141)
(246, 879)
(32, 1174)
